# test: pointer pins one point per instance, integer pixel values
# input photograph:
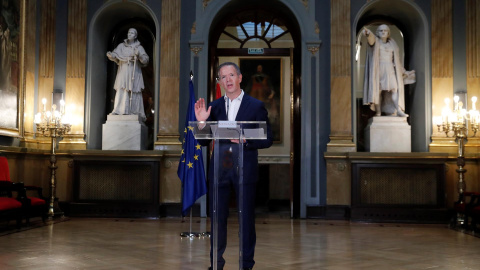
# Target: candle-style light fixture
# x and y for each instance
(53, 124)
(457, 123)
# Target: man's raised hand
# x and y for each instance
(201, 113)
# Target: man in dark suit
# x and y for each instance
(235, 106)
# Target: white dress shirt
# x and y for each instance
(232, 106)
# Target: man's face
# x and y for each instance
(230, 80)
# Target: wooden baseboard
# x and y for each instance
(330, 212)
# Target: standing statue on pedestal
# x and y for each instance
(384, 72)
(130, 56)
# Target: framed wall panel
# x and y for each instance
(12, 31)
(262, 79)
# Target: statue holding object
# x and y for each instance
(384, 73)
(130, 56)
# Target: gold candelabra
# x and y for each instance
(457, 123)
(53, 124)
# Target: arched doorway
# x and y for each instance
(100, 37)
(265, 42)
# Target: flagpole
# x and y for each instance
(190, 169)
(190, 234)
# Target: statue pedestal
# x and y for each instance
(124, 132)
(388, 134)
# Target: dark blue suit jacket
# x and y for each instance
(251, 109)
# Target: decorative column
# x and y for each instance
(473, 49)
(168, 136)
(75, 81)
(341, 133)
(29, 31)
(442, 69)
(46, 68)
(341, 136)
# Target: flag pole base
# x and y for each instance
(190, 234)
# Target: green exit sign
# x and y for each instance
(255, 50)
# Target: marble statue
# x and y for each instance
(130, 56)
(385, 74)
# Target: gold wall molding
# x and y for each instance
(76, 62)
(339, 143)
(442, 65)
(76, 38)
(196, 49)
(473, 38)
(46, 68)
(169, 74)
(340, 38)
(29, 66)
(341, 138)
(21, 73)
(313, 48)
(473, 49)
(442, 39)
(47, 39)
(73, 142)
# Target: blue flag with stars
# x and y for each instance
(190, 169)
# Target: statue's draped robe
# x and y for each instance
(371, 87)
(129, 81)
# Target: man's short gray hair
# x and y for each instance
(229, 64)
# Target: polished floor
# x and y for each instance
(282, 243)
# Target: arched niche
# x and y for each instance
(412, 23)
(101, 27)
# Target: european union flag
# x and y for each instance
(190, 169)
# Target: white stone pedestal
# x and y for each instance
(124, 132)
(388, 134)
